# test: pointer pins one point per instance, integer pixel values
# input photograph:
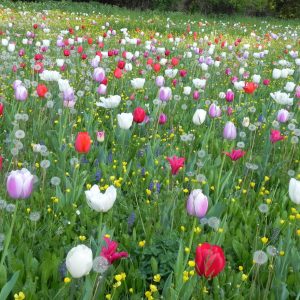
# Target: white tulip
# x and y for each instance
(128, 67)
(63, 84)
(199, 83)
(256, 78)
(125, 120)
(163, 61)
(60, 62)
(239, 85)
(171, 73)
(289, 87)
(199, 116)
(110, 102)
(187, 90)
(294, 190)
(138, 83)
(101, 202)
(276, 73)
(282, 98)
(11, 47)
(79, 261)
(50, 75)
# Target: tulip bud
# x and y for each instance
(19, 184)
(165, 94)
(162, 119)
(214, 111)
(282, 116)
(229, 131)
(197, 204)
(125, 120)
(79, 261)
(199, 116)
(294, 190)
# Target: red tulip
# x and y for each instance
(38, 57)
(41, 90)
(235, 154)
(1, 109)
(118, 73)
(83, 142)
(176, 163)
(1, 162)
(149, 61)
(66, 52)
(139, 115)
(90, 41)
(250, 87)
(276, 136)
(174, 61)
(156, 68)
(121, 64)
(110, 251)
(182, 73)
(80, 49)
(210, 260)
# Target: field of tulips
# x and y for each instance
(147, 155)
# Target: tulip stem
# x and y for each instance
(100, 225)
(191, 240)
(220, 175)
(9, 236)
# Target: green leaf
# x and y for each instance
(3, 275)
(5, 291)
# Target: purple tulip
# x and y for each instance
(229, 96)
(102, 89)
(99, 74)
(282, 116)
(19, 184)
(197, 204)
(229, 131)
(21, 93)
(165, 93)
(160, 81)
(214, 111)
(162, 119)
(228, 71)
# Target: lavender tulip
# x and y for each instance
(160, 81)
(197, 204)
(229, 131)
(99, 74)
(17, 83)
(21, 93)
(102, 89)
(165, 93)
(68, 94)
(282, 116)
(214, 111)
(19, 184)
